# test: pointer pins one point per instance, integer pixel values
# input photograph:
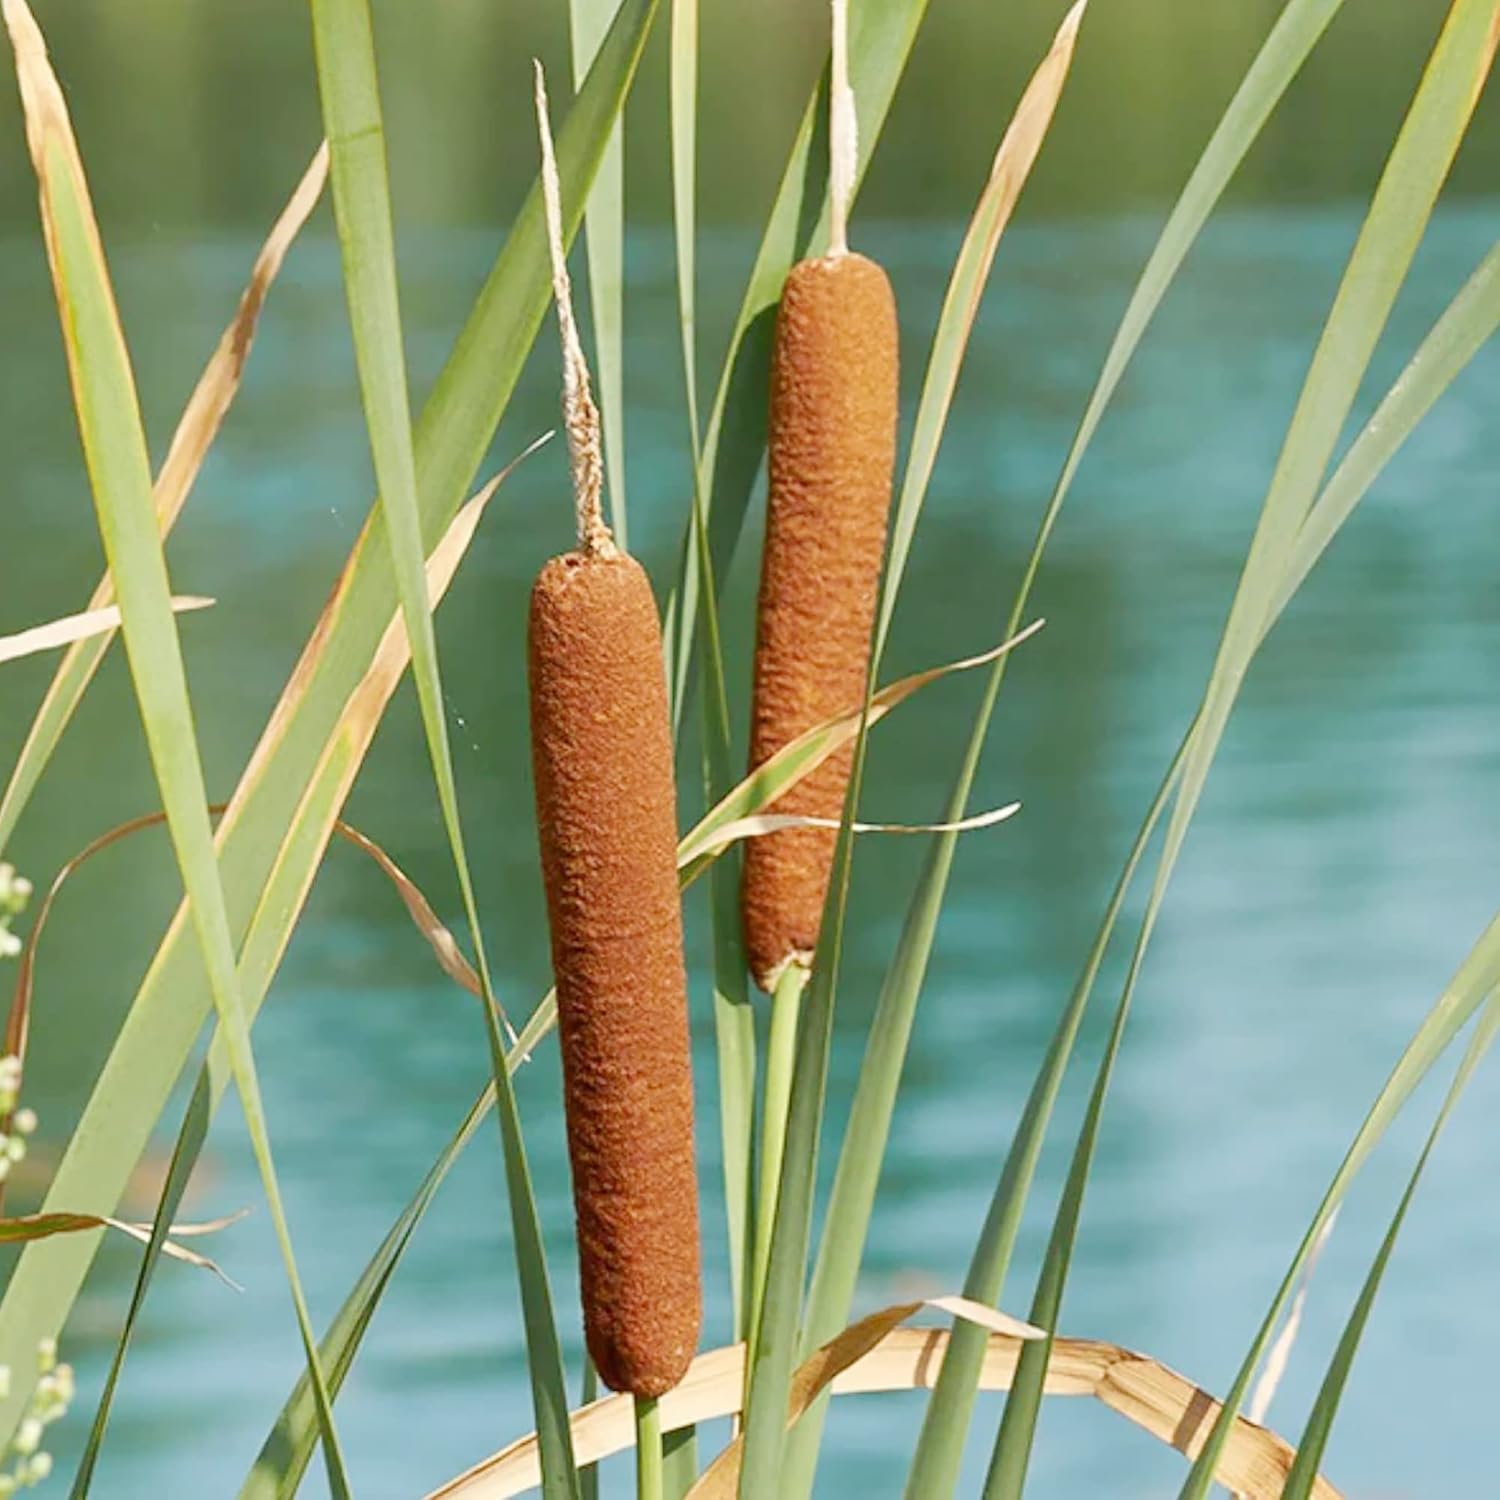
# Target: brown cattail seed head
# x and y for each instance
(832, 451)
(607, 819)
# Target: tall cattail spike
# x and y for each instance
(843, 134)
(580, 415)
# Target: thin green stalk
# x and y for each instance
(345, 51)
(935, 1465)
(684, 110)
(734, 1015)
(115, 455)
(588, 1474)
(648, 1460)
(781, 1060)
(769, 1375)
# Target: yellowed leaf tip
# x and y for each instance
(41, 98)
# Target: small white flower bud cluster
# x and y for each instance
(15, 892)
(22, 1121)
(24, 1462)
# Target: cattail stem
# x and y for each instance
(843, 134)
(648, 1476)
(781, 1059)
(580, 414)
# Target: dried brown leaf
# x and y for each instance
(1147, 1393)
(42, 1226)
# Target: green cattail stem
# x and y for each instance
(648, 1477)
(781, 1060)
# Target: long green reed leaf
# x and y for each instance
(185, 1153)
(1462, 329)
(1467, 324)
(774, 1346)
(316, 818)
(1297, 31)
(683, 90)
(345, 47)
(1304, 1473)
(935, 1468)
(1429, 138)
(1377, 267)
(455, 429)
(114, 444)
(940, 1444)
(196, 430)
(604, 235)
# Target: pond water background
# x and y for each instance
(1343, 861)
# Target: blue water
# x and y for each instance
(1343, 861)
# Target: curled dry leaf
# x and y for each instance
(808, 751)
(42, 1226)
(877, 1355)
(759, 824)
(721, 1480)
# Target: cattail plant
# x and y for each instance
(832, 450)
(606, 819)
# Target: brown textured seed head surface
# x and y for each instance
(607, 818)
(832, 450)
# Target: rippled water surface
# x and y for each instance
(1343, 860)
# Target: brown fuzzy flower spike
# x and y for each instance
(607, 825)
(832, 451)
